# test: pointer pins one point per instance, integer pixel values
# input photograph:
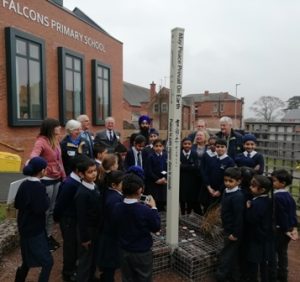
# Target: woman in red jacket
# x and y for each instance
(47, 146)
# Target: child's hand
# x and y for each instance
(232, 238)
(151, 202)
(248, 204)
(160, 181)
(216, 194)
(257, 167)
(210, 190)
(293, 234)
(86, 245)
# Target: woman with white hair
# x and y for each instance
(73, 144)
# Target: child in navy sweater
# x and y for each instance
(156, 174)
(250, 158)
(232, 212)
(32, 202)
(285, 220)
(213, 175)
(88, 214)
(258, 229)
(65, 214)
(108, 254)
(135, 221)
(189, 179)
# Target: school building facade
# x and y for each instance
(54, 63)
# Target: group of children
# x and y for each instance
(103, 228)
(104, 224)
(257, 228)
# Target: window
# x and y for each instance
(71, 84)
(155, 108)
(101, 92)
(26, 79)
(221, 108)
(164, 107)
(215, 108)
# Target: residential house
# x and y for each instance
(212, 106)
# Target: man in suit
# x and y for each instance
(108, 137)
(85, 125)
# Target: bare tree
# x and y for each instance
(268, 107)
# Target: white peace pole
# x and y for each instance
(174, 136)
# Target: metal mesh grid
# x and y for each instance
(194, 261)
(161, 255)
(196, 256)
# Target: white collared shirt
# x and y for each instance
(130, 201)
(90, 186)
(135, 153)
(186, 154)
(33, 178)
(222, 157)
(211, 153)
(281, 190)
(253, 153)
(75, 177)
(232, 190)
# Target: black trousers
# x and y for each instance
(281, 246)
(228, 263)
(86, 259)
(70, 245)
(136, 267)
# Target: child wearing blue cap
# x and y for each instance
(32, 203)
(250, 157)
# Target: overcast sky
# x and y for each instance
(252, 42)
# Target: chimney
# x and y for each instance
(206, 92)
(152, 89)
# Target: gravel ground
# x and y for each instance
(12, 260)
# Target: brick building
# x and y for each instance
(212, 106)
(139, 101)
(54, 63)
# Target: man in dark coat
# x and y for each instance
(232, 137)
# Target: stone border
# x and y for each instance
(9, 236)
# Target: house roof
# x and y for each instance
(292, 115)
(134, 94)
(211, 96)
(80, 14)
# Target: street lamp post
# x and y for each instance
(235, 103)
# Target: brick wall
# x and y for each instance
(113, 57)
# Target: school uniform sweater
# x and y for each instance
(65, 205)
(285, 210)
(32, 202)
(252, 160)
(88, 210)
(214, 171)
(232, 212)
(135, 222)
(258, 229)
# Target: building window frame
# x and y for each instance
(12, 35)
(63, 54)
(155, 108)
(164, 107)
(105, 79)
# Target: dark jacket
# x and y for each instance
(234, 141)
(32, 202)
(102, 139)
(232, 213)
